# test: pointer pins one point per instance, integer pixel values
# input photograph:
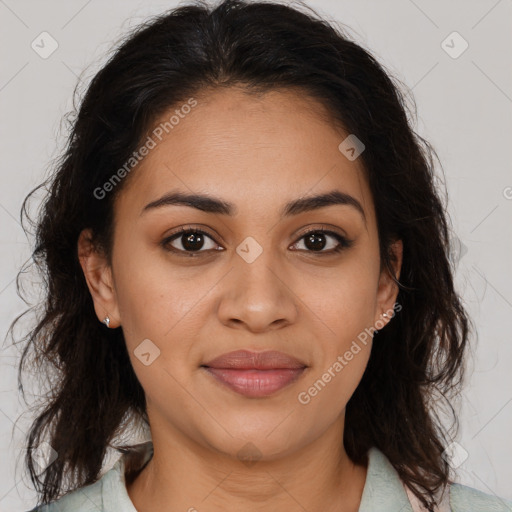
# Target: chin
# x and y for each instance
(258, 440)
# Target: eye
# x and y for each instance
(317, 239)
(189, 241)
(192, 241)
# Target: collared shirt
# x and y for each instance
(383, 492)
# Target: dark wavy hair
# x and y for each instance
(416, 360)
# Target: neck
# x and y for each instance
(182, 475)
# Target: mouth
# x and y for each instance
(255, 374)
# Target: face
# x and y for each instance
(303, 279)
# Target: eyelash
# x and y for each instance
(343, 243)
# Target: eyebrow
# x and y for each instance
(215, 205)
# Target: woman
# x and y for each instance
(245, 252)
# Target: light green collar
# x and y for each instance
(383, 489)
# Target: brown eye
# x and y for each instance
(190, 241)
(317, 240)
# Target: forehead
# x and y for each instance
(253, 150)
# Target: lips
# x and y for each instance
(246, 360)
(255, 374)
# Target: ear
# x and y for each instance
(387, 290)
(98, 274)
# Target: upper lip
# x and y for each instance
(246, 359)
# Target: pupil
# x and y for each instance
(317, 241)
(191, 239)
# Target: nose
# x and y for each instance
(257, 296)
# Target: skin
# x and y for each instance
(257, 152)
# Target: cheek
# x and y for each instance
(153, 296)
(343, 302)
(343, 309)
(327, 393)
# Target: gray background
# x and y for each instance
(464, 109)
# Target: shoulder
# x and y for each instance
(384, 486)
(109, 493)
(468, 499)
(84, 499)
(90, 498)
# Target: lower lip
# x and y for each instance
(256, 383)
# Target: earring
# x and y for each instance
(106, 321)
(385, 315)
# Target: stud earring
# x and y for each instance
(106, 321)
(385, 315)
